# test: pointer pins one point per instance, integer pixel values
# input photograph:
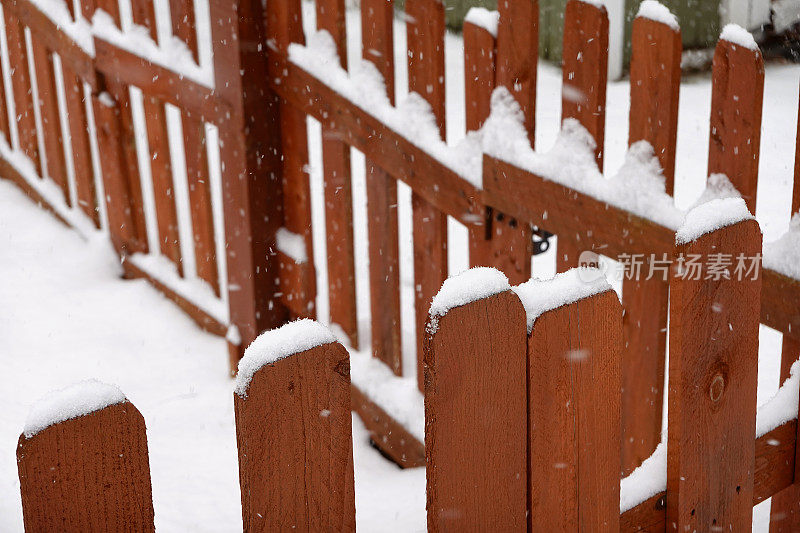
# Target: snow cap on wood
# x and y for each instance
(274, 345)
(733, 33)
(74, 401)
(711, 216)
(539, 296)
(658, 12)
(471, 285)
(484, 18)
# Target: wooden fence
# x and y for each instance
(252, 91)
(523, 392)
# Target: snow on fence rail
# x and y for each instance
(244, 80)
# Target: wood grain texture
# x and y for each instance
(517, 55)
(425, 26)
(646, 303)
(655, 88)
(284, 27)
(22, 90)
(377, 35)
(294, 436)
(82, 164)
(774, 472)
(655, 91)
(475, 386)
(574, 364)
(199, 185)
(495, 240)
(88, 474)
(251, 170)
(338, 195)
(585, 69)
(123, 191)
(55, 40)
(155, 116)
(437, 184)
(386, 433)
(737, 94)
(53, 137)
(181, 13)
(713, 374)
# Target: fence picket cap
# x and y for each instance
(469, 286)
(540, 296)
(74, 401)
(658, 12)
(711, 216)
(272, 346)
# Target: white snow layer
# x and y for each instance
(483, 18)
(782, 407)
(646, 481)
(783, 255)
(471, 285)
(70, 402)
(292, 244)
(274, 345)
(733, 33)
(711, 216)
(653, 10)
(540, 296)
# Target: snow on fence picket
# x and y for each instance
(83, 462)
(250, 200)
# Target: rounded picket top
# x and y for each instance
(83, 462)
(294, 431)
(475, 387)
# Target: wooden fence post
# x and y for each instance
(250, 153)
(574, 363)
(499, 241)
(426, 76)
(583, 96)
(713, 369)
(338, 195)
(377, 34)
(655, 89)
(737, 93)
(88, 472)
(475, 406)
(293, 431)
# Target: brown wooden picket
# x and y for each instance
(655, 89)
(294, 435)
(475, 386)
(338, 195)
(737, 96)
(377, 36)
(713, 375)
(585, 69)
(88, 474)
(52, 137)
(574, 364)
(22, 89)
(183, 24)
(426, 76)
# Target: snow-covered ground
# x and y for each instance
(66, 316)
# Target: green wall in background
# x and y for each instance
(699, 19)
